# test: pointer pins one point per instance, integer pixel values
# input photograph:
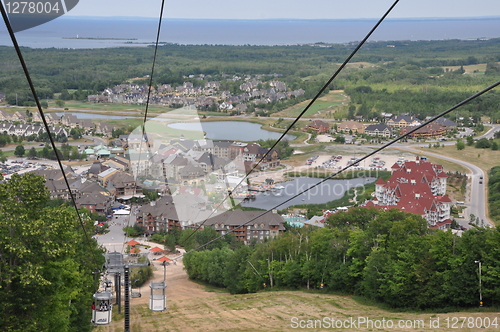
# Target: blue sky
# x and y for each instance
(293, 9)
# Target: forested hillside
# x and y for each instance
(388, 256)
(46, 261)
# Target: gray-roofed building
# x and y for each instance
(221, 148)
(5, 116)
(204, 145)
(158, 216)
(380, 130)
(105, 129)
(70, 120)
(183, 145)
(124, 184)
(268, 225)
(94, 202)
(450, 125)
(403, 121)
(171, 166)
(190, 174)
(86, 124)
(118, 163)
(5, 127)
(58, 131)
(54, 181)
(52, 118)
(210, 162)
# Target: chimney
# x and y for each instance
(417, 196)
(152, 203)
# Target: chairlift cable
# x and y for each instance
(143, 125)
(46, 125)
(465, 101)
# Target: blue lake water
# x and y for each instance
(232, 130)
(243, 32)
(328, 191)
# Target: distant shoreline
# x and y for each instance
(109, 33)
(155, 19)
(99, 38)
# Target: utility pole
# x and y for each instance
(480, 285)
(164, 270)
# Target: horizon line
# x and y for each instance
(277, 19)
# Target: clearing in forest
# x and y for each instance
(324, 107)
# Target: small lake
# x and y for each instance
(231, 130)
(328, 191)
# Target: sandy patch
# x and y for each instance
(179, 287)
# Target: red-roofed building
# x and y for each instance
(416, 187)
(430, 130)
(318, 126)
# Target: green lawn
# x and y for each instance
(112, 107)
(324, 105)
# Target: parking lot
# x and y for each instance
(20, 166)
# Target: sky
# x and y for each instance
(282, 9)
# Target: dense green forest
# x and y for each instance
(409, 76)
(494, 193)
(46, 260)
(388, 256)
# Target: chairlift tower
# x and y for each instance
(119, 264)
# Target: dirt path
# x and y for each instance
(179, 287)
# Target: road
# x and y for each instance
(490, 133)
(89, 140)
(305, 142)
(114, 240)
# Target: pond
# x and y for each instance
(231, 130)
(330, 190)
